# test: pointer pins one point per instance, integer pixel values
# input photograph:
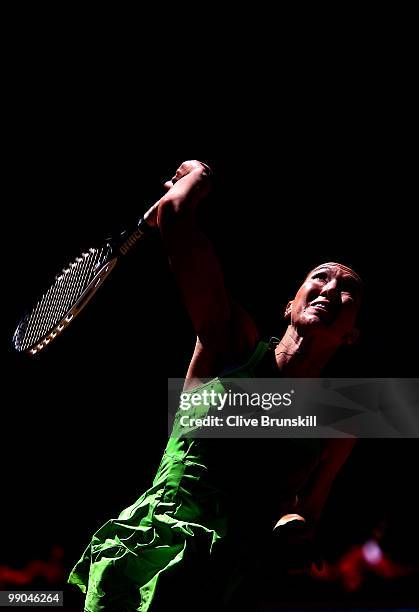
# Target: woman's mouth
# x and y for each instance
(320, 306)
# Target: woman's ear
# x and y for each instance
(288, 309)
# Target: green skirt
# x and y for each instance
(162, 545)
(183, 545)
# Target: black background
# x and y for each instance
(328, 176)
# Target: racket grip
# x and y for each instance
(142, 230)
(145, 227)
(150, 217)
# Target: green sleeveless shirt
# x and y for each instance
(168, 535)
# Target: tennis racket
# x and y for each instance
(72, 289)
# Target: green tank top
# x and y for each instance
(167, 538)
(200, 410)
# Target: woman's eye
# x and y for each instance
(349, 288)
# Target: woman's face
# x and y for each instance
(327, 304)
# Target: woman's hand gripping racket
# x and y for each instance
(78, 282)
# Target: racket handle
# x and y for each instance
(150, 217)
(128, 240)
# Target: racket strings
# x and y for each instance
(54, 305)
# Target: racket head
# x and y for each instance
(72, 290)
(62, 302)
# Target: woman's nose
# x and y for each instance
(329, 288)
